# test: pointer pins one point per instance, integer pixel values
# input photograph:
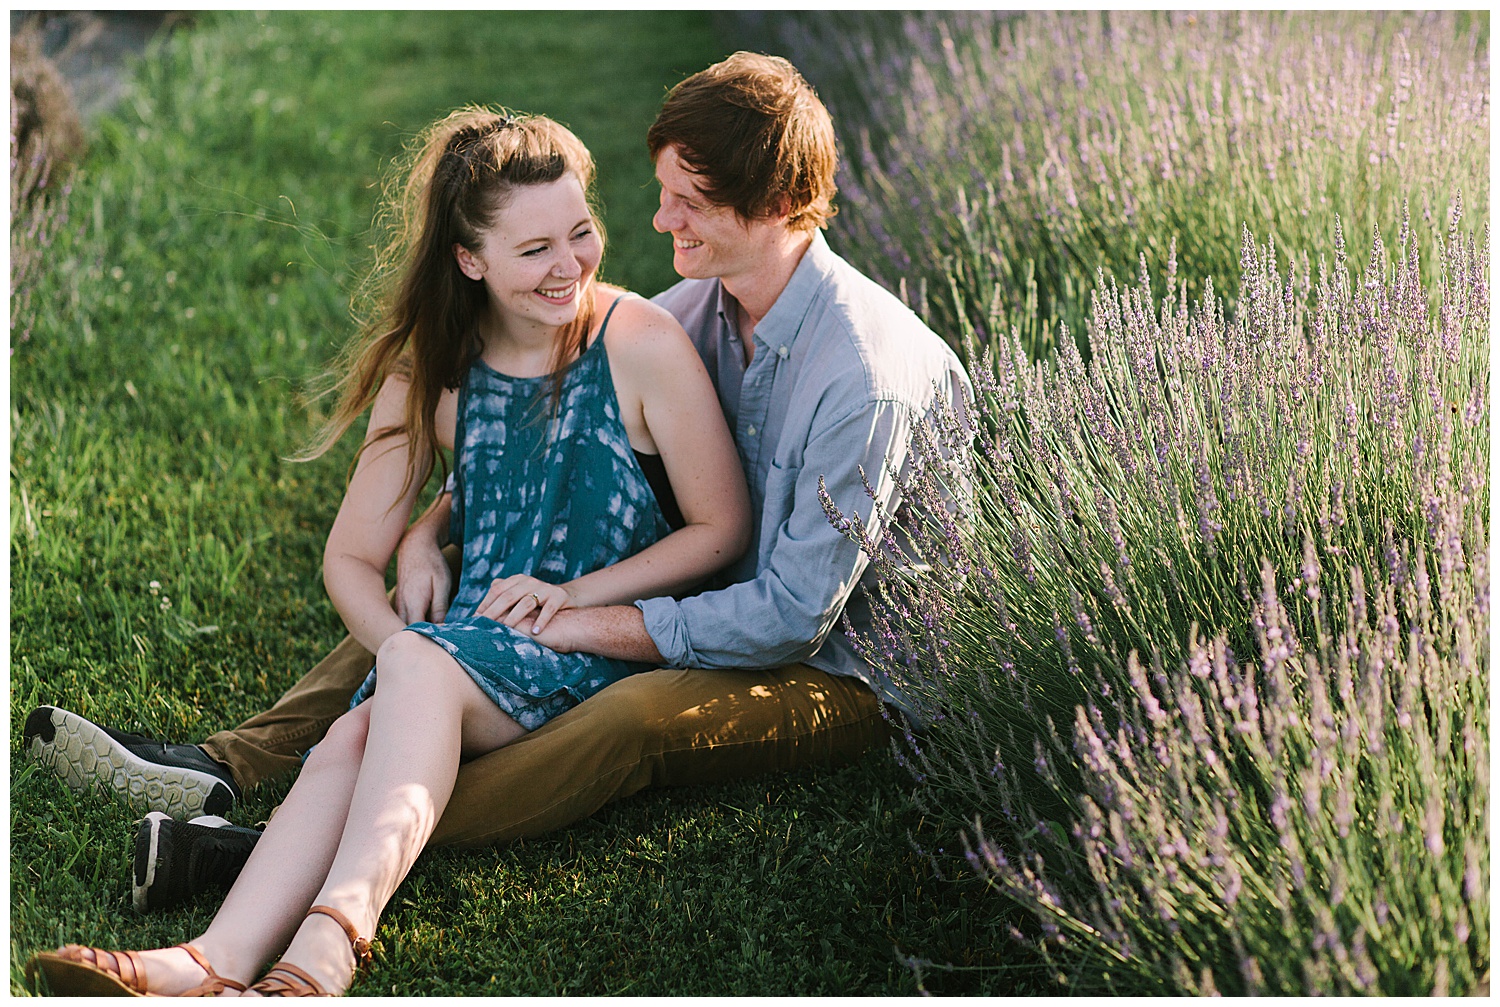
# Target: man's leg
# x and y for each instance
(660, 728)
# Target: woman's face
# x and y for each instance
(538, 258)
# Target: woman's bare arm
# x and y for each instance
(371, 520)
(424, 580)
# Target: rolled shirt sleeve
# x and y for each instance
(808, 568)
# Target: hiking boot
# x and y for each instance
(180, 780)
(177, 861)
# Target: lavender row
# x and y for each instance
(1206, 667)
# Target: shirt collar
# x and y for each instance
(782, 323)
(726, 310)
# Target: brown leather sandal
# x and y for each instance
(285, 980)
(76, 970)
(213, 984)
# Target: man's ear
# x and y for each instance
(468, 264)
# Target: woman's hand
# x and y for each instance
(512, 599)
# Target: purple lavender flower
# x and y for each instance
(1323, 427)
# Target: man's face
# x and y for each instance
(707, 240)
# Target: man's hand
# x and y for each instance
(562, 633)
(424, 581)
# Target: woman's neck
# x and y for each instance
(522, 351)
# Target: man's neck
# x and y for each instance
(757, 292)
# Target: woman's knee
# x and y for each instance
(415, 672)
(409, 658)
(399, 650)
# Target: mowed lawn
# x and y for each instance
(165, 554)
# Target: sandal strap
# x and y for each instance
(288, 981)
(133, 964)
(213, 983)
(127, 965)
(359, 945)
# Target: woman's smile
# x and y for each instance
(558, 295)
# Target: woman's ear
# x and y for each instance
(468, 264)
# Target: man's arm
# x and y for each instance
(424, 581)
(617, 631)
(787, 611)
(809, 568)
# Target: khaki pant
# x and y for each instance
(654, 729)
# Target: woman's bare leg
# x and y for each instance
(286, 869)
(425, 716)
(353, 824)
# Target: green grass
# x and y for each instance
(212, 240)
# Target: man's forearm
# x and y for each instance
(431, 529)
(617, 631)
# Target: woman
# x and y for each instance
(560, 399)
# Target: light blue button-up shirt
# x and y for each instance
(842, 371)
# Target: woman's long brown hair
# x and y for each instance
(424, 325)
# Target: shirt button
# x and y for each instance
(783, 352)
(751, 431)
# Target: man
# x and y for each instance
(822, 375)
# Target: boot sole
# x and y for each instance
(86, 759)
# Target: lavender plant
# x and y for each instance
(1206, 667)
(1006, 158)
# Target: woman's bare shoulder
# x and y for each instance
(640, 329)
(389, 406)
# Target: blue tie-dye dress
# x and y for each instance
(551, 493)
